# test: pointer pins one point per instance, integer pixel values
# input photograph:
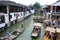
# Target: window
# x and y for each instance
(3, 9)
(58, 8)
(2, 19)
(14, 14)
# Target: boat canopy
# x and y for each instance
(37, 24)
(50, 29)
(10, 3)
(58, 30)
(46, 20)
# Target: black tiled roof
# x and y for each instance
(55, 3)
(9, 3)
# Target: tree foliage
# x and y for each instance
(36, 5)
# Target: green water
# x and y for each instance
(26, 35)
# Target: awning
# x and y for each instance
(56, 4)
(9, 3)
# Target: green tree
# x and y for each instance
(36, 5)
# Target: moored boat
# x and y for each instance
(47, 23)
(36, 30)
(47, 33)
(51, 34)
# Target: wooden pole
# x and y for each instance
(8, 16)
(55, 8)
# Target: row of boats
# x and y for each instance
(38, 19)
(51, 33)
(37, 26)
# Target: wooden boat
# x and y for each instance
(36, 30)
(58, 33)
(47, 23)
(54, 32)
(13, 35)
(38, 19)
(47, 31)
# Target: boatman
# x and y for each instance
(22, 25)
(50, 35)
(55, 36)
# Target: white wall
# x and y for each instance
(6, 18)
(32, 11)
(13, 17)
(22, 14)
(27, 13)
(19, 15)
(2, 25)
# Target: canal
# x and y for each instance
(28, 25)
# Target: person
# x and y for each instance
(22, 25)
(8, 34)
(50, 35)
(54, 37)
(59, 22)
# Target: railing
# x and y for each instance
(56, 12)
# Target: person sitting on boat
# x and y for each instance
(54, 37)
(8, 34)
(46, 36)
(55, 24)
